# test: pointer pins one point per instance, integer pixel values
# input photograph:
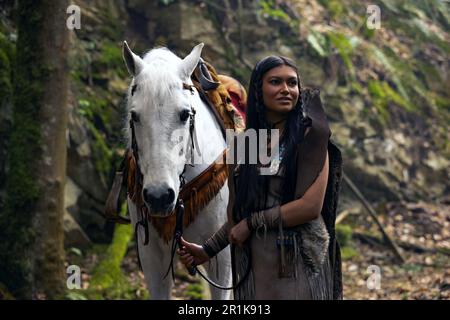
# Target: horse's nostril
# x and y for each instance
(158, 200)
(148, 197)
(171, 196)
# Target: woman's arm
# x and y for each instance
(194, 254)
(298, 211)
(293, 213)
(217, 242)
(309, 206)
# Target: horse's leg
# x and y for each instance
(154, 259)
(208, 222)
(219, 272)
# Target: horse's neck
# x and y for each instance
(209, 136)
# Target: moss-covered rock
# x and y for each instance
(344, 237)
(108, 281)
(344, 234)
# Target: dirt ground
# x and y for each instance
(420, 230)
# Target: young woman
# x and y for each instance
(281, 226)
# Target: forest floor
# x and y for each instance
(421, 230)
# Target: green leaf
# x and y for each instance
(314, 39)
(74, 295)
(76, 251)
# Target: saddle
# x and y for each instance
(224, 94)
(197, 193)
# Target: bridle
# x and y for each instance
(179, 208)
(143, 210)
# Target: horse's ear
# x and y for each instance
(189, 63)
(133, 62)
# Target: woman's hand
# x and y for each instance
(239, 233)
(191, 254)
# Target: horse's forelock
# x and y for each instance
(161, 54)
(160, 76)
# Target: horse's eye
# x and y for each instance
(184, 115)
(134, 116)
(133, 89)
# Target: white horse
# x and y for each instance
(158, 107)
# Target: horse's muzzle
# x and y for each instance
(159, 199)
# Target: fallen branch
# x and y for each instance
(341, 216)
(373, 215)
(369, 239)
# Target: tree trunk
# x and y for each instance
(31, 249)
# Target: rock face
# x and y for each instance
(376, 104)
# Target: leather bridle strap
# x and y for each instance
(142, 209)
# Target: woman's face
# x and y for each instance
(280, 91)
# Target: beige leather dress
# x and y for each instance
(266, 259)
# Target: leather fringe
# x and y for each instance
(195, 197)
(193, 204)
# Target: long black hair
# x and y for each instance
(251, 188)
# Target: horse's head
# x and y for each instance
(159, 110)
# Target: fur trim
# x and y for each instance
(314, 244)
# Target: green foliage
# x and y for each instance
(113, 25)
(382, 95)
(76, 251)
(94, 109)
(102, 153)
(393, 96)
(272, 10)
(344, 234)
(97, 69)
(4, 293)
(412, 267)
(379, 99)
(194, 291)
(367, 33)
(7, 54)
(344, 47)
(318, 42)
(344, 237)
(111, 58)
(414, 84)
(347, 253)
(334, 7)
(442, 103)
(75, 295)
